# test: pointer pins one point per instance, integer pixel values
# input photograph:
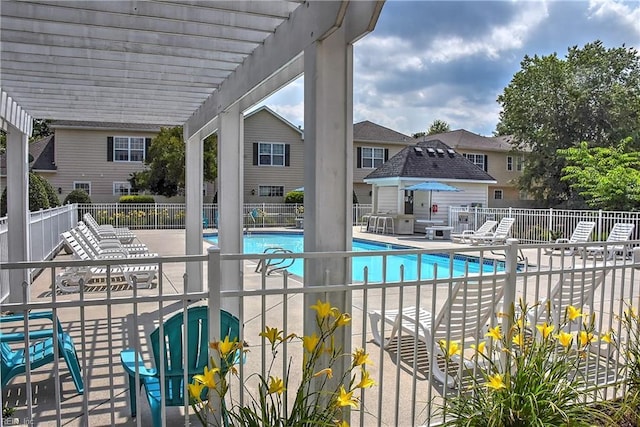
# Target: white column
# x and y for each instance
(17, 208)
(193, 197)
(328, 162)
(374, 199)
(230, 199)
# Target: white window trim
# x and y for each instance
(129, 138)
(373, 157)
(496, 192)
(475, 156)
(260, 187)
(510, 163)
(75, 183)
(271, 155)
(119, 183)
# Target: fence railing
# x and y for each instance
(543, 225)
(45, 227)
(104, 318)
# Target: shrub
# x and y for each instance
(294, 197)
(143, 198)
(308, 404)
(51, 193)
(37, 193)
(77, 196)
(3, 203)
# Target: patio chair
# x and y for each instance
(464, 316)
(616, 242)
(484, 230)
(108, 231)
(500, 236)
(581, 234)
(109, 245)
(41, 351)
(174, 364)
(70, 279)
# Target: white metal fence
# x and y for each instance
(103, 319)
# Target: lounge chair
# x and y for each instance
(108, 231)
(484, 230)
(41, 351)
(500, 236)
(616, 242)
(174, 364)
(464, 316)
(581, 234)
(71, 278)
(109, 245)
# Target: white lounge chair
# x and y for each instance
(108, 231)
(463, 318)
(616, 242)
(581, 234)
(484, 230)
(71, 278)
(96, 251)
(502, 233)
(109, 244)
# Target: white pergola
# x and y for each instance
(198, 64)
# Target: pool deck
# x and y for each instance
(107, 396)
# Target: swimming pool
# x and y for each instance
(256, 243)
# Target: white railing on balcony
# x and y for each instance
(103, 319)
(45, 227)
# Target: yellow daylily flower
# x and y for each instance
(494, 333)
(343, 319)
(631, 311)
(573, 313)
(310, 343)
(226, 346)
(326, 371)
(496, 382)
(608, 337)
(361, 358)
(322, 308)
(346, 398)
(565, 339)
(480, 347)
(276, 385)
(545, 329)
(195, 390)
(586, 338)
(208, 378)
(272, 334)
(518, 339)
(450, 349)
(341, 423)
(365, 380)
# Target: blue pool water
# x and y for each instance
(256, 243)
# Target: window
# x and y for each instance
(509, 163)
(372, 157)
(520, 164)
(478, 160)
(497, 194)
(128, 149)
(271, 191)
(271, 154)
(121, 188)
(82, 185)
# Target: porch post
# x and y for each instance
(17, 209)
(328, 172)
(193, 196)
(231, 199)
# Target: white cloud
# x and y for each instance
(498, 39)
(624, 13)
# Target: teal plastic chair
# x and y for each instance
(41, 352)
(197, 358)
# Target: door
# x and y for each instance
(408, 202)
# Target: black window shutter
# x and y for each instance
(386, 154)
(255, 153)
(359, 160)
(287, 154)
(147, 146)
(109, 149)
(486, 163)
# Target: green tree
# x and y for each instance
(40, 129)
(438, 126)
(591, 95)
(165, 161)
(607, 177)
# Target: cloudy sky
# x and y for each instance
(449, 60)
